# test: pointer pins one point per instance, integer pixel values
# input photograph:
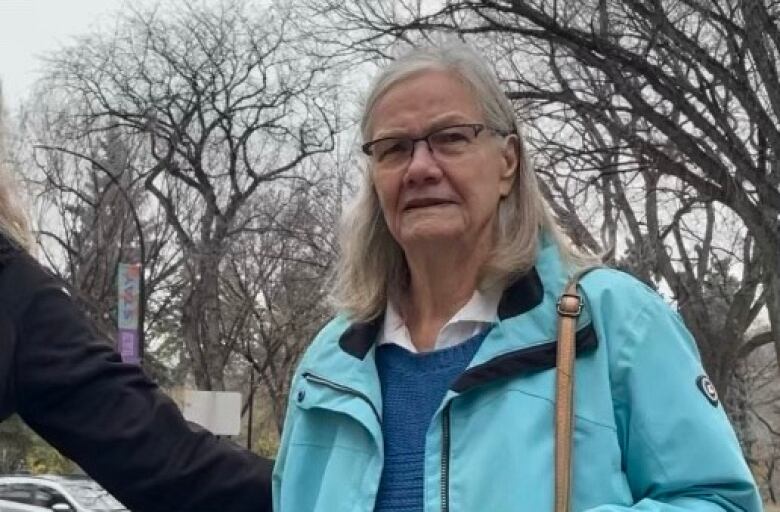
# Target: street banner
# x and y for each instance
(129, 285)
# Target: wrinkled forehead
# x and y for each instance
(384, 87)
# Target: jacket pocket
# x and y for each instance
(502, 450)
(332, 462)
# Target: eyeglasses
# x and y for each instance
(447, 142)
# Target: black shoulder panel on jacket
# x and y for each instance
(530, 359)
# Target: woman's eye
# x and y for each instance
(392, 148)
(395, 148)
(451, 137)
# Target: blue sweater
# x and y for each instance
(413, 387)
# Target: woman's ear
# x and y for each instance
(510, 158)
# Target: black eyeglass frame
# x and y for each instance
(478, 128)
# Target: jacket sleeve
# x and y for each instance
(109, 417)
(679, 450)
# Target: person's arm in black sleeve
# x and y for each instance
(110, 418)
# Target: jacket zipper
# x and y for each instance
(338, 387)
(445, 459)
(445, 438)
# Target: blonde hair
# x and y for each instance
(14, 223)
(372, 266)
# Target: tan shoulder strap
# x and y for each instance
(569, 309)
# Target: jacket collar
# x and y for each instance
(522, 341)
(533, 358)
(359, 337)
(522, 295)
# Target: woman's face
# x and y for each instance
(434, 198)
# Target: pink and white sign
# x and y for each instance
(129, 285)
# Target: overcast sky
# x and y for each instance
(29, 28)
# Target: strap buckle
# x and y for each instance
(570, 305)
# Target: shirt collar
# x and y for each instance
(480, 310)
(518, 298)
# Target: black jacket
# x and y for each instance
(108, 416)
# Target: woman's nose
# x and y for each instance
(423, 166)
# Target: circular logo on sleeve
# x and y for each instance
(708, 389)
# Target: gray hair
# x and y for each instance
(372, 267)
(14, 223)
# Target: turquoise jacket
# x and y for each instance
(649, 434)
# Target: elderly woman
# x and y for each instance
(433, 390)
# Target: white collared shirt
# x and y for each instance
(478, 313)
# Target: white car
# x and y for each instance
(10, 506)
(50, 493)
